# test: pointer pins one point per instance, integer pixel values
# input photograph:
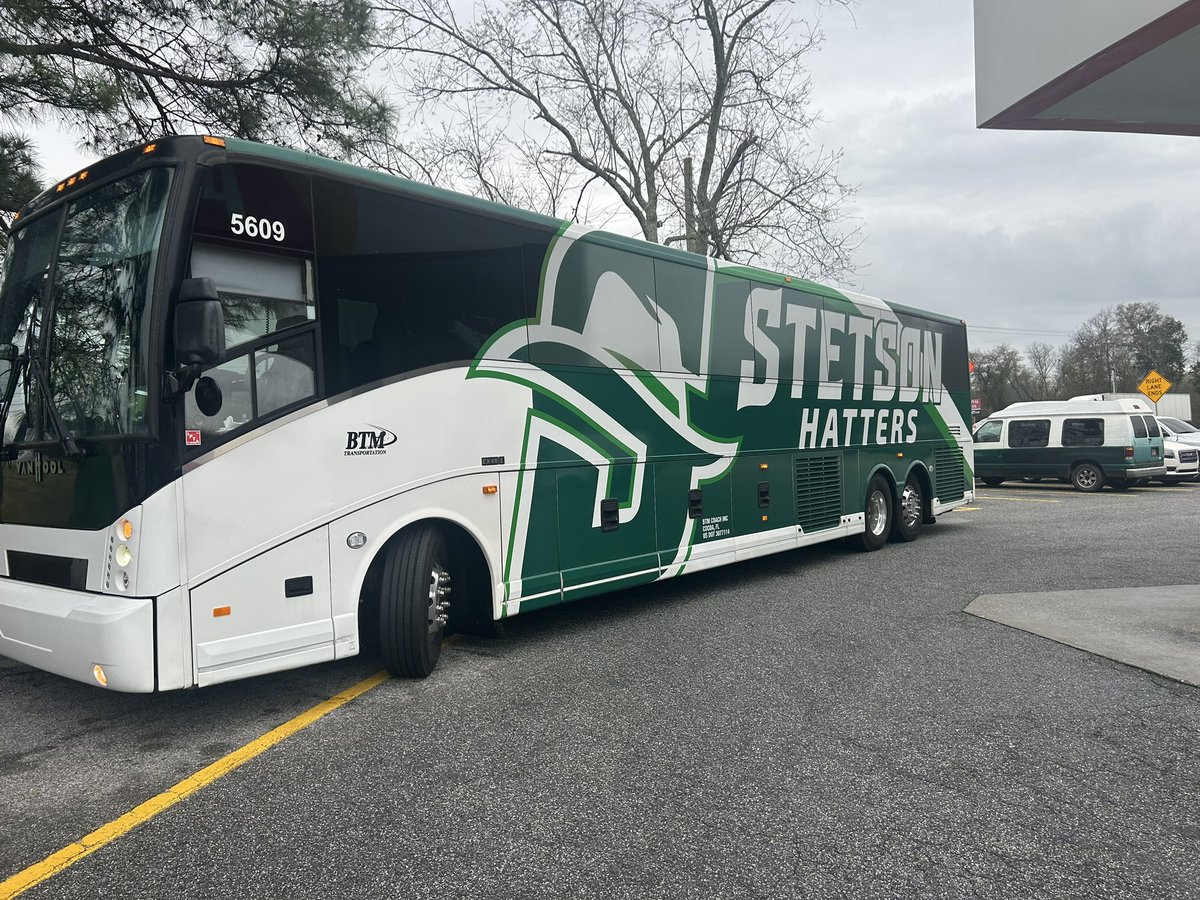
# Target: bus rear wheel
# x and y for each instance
(414, 600)
(878, 513)
(906, 524)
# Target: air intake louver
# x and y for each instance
(949, 479)
(818, 492)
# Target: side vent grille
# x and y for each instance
(818, 492)
(949, 482)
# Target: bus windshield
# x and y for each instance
(86, 270)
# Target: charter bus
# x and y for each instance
(260, 406)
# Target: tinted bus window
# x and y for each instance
(404, 284)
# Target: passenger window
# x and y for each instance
(988, 432)
(1083, 432)
(1139, 426)
(1029, 433)
(406, 284)
(1152, 427)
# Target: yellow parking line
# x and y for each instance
(1015, 499)
(139, 815)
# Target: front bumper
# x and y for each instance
(69, 632)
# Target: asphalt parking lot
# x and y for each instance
(825, 723)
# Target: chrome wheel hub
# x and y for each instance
(438, 613)
(876, 513)
(910, 506)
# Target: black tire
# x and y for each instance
(992, 482)
(1087, 477)
(910, 511)
(1119, 484)
(878, 513)
(1028, 480)
(1140, 482)
(416, 582)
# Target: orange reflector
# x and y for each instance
(762, 465)
(98, 674)
(215, 141)
(764, 518)
(71, 180)
(220, 611)
(83, 175)
(899, 456)
(149, 148)
(60, 187)
(787, 278)
(125, 529)
(490, 489)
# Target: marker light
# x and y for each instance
(215, 141)
(124, 529)
(490, 488)
(149, 148)
(98, 674)
(221, 611)
(123, 555)
(763, 466)
(356, 541)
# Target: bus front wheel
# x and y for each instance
(414, 600)
(878, 512)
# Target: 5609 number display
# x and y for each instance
(251, 226)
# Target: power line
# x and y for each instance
(973, 327)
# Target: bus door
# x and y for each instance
(257, 566)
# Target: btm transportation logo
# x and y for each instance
(369, 443)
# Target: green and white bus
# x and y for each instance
(260, 406)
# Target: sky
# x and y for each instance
(1024, 235)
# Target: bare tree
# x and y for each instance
(1113, 350)
(999, 377)
(1041, 371)
(624, 91)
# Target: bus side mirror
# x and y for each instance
(199, 323)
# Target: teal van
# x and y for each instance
(1089, 443)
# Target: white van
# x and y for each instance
(1087, 442)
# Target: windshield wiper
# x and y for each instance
(31, 362)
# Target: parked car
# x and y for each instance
(1089, 443)
(1178, 430)
(1182, 462)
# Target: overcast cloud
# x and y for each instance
(1032, 232)
(1029, 231)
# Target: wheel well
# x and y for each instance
(471, 591)
(889, 477)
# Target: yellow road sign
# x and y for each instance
(1154, 386)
